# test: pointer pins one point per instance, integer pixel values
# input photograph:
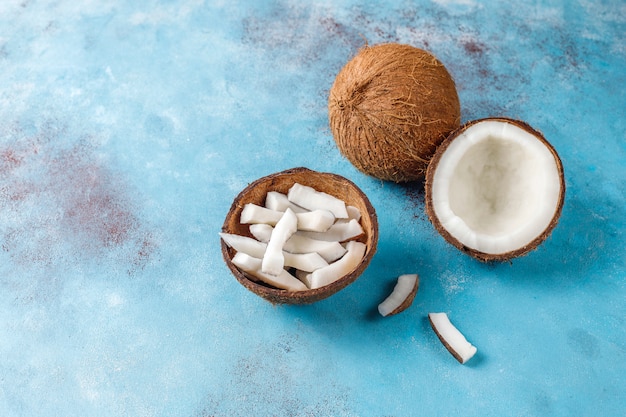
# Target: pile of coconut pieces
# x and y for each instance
(402, 297)
(305, 239)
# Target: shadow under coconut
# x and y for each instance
(581, 242)
(357, 302)
(584, 239)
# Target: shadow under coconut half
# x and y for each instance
(332, 184)
(495, 189)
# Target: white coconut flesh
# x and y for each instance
(451, 337)
(496, 187)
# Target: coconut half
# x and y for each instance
(495, 189)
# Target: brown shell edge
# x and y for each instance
(481, 256)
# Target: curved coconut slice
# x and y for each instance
(279, 202)
(339, 232)
(495, 189)
(312, 221)
(284, 280)
(334, 271)
(451, 337)
(274, 260)
(308, 262)
(401, 297)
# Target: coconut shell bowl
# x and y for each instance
(328, 183)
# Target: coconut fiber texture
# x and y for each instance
(389, 108)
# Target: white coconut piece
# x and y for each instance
(330, 251)
(274, 260)
(313, 221)
(279, 202)
(308, 262)
(496, 189)
(261, 231)
(353, 213)
(401, 296)
(304, 276)
(451, 337)
(245, 244)
(253, 213)
(339, 268)
(340, 231)
(309, 198)
(284, 280)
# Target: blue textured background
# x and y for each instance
(127, 128)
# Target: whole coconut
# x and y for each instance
(389, 109)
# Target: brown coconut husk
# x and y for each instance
(329, 183)
(481, 256)
(389, 109)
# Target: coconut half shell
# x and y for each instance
(329, 183)
(495, 189)
(390, 107)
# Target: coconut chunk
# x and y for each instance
(305, 277)
(308, 262)
(401, 297)
(309, 198)
(245, 244)
(262, 232)
(279, 202)
(284, 280)
(274, 260)
(339, 268)
(253, 213)
(330, 251)
(313, 221)
(451, 337)
(353, 213)
(340, 231)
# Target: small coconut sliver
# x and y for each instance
(401, 297)
(451, 337)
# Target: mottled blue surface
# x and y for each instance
(127, 128)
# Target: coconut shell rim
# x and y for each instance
(483, 256)
(280, 296)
